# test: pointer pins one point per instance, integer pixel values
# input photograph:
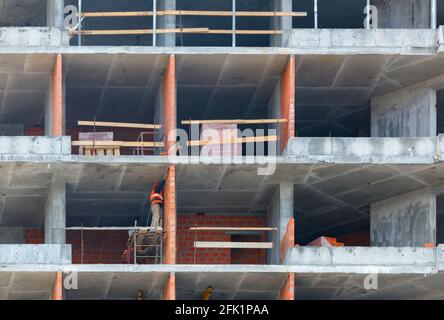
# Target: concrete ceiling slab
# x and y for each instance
(22, 13)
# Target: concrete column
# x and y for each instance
(410, 14)
(55, 214)
(55, 15)
(281, 23)
(407, 220)
(280, 212)
(404, 113)
(166, 22)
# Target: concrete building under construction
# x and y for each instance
(328, 177)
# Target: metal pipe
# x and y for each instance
(154, 22)
(315, 14)
(434, 14)
(233, 42)
(80, 23)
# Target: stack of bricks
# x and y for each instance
(187, 254)
(169, 217)
(34, 236)
(288, 101)
(359, 239)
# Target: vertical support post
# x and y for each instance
(434, 14)
(368, 14)
(154, 22)
(55, 214)
(80, 24)
(287, 101)
(57, 290)
(54, 102)
(315, 13)
(169, 292)
(234, 23)
(169, 106)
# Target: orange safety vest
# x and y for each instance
(156, 197)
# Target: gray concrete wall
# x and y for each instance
(404, 113)
(12, 235)
(55, 214)
(35, 254)
(281, 23)
(281, 210)
(33, 36)
(407, 220)
(35, 145)
(364, 150)
(360, 39)
(403, 13)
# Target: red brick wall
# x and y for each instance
(358, 239)
(99, 247)
(288, 240)
(288, 83)
(187, 254)
(287, 289)
(169, 217)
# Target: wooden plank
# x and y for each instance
(220, 31)
(235, 121)
(119, 125)
(233, 245)
(101, 144)
(114, 228)
(195, 143)
(193, 13)
(233, 229)
(140, 31)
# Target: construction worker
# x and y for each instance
(156, 204)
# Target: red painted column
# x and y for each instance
(169, 104)
(287, 242)
(57, 98)
(288, 88)
(57, 290)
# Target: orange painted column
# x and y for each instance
(169, 104)
(169, 292)
(169, 217)
(57, 98)
(57, 290)
(288, 89)
(288, 242)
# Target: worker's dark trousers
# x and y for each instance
(156, 212)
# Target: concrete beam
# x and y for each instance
(35, 145)
(15, 254)
(407, 220)
(55, 214)
(404, 114)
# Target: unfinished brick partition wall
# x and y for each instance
(288, 88)
(187, 254)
